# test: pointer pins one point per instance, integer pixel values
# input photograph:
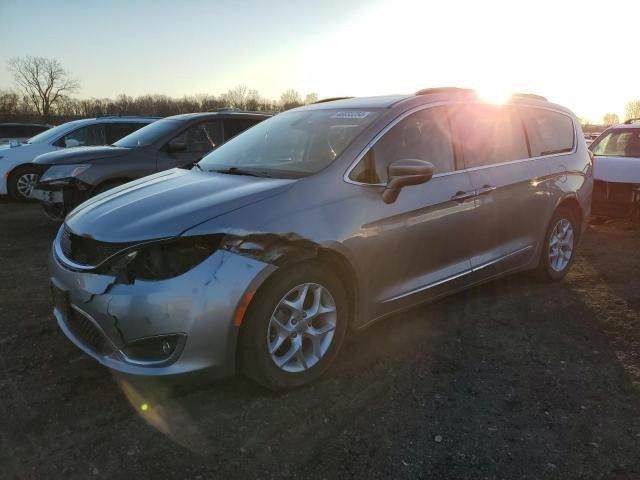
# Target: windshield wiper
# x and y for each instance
(197, 165)
(242, 171)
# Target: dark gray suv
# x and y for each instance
(73, 175)
(317, 221)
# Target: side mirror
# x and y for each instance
(403, 173)
(176, 145)
(71, 142)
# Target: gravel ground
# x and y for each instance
(514, 379)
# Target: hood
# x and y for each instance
(167, 203)
(616, 169)
(79, 155)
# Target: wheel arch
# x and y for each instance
(572, 204)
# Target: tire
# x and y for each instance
(554, 264)
(260, 333)
(21, 181)
(54, 211)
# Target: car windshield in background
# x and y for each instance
(297, 143)
(52, 134)
(148, 135)
(619, 143)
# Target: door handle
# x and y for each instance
(485, 190)
(462, 196)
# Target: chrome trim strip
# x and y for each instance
(404, 115)
(426, 287)
(458, 275)
(484, 265)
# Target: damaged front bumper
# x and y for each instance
(59, 197)
(195, 310)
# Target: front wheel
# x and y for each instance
(21, 182)
(559, 247)
(294, 327)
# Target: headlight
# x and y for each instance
(63, 171)
(161, 260)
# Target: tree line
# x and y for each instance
(43, 89)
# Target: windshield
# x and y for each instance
(619, 143)
(149, 134)
(53, 133)
(295, 143)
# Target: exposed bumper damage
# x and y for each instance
(615, 198)
(104, 316)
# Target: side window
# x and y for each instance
(202, 137)
(488, 134)
(116, 131)
(423, 135)
(623, 143)
(235, 126)
(86, 136)
(549, 132)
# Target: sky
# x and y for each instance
(582, 54)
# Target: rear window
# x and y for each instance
(549, 132)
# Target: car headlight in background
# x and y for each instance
(63, 171)
(161, 260)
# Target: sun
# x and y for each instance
(496, 95)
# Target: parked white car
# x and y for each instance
(617, 169)
(18, 175)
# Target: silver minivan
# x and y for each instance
(316, 222)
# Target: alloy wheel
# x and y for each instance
(25, 184)
(302, 327)
(561, 245)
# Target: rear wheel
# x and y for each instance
(294, 327)
(21, 182)
(559, 246)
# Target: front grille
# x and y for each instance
(85, 250)
(87, 332)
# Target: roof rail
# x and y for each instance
(225, 109)
(457, 90)
(631, 120)
(529, 95)
(331, 99)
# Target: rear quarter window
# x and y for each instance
(549, 132)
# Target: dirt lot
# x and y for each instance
(514, 379)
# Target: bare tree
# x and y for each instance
(252, 101)
(9, 102)
(43, 80)
(290, 99)
(610, 119)
(237, 96)
(632, 110)
(310, 98)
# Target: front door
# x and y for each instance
(418, 245)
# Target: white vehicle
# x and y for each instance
(18, 175)
(616, 169)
